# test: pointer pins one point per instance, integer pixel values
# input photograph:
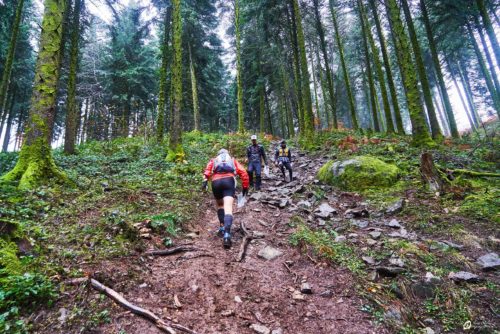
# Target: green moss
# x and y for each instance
(359, 173)
(9, 263)
(482, 206)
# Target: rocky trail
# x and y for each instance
(276, 287)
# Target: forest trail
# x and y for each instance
(208, 291)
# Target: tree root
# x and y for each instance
(167, 326)
(171, 251)
(247, 237)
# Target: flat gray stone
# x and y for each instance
(375, 235)
(269, 253)
(324, 211)
(489, 262)
(340, 238)
(393, 223)
(368, 260)
(397, 262)
(464, 276)
(260, 329)
(371, 242)
(395, 207)
(360, 223)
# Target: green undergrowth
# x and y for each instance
(122, 186)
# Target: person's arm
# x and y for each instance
(248, 153)
(242, 173)
(276, 154)
(263, 153)
(208, 170)
(290, 155)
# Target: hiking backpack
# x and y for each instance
(223, 163)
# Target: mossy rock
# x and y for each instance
(359, 173)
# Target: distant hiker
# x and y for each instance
(222, 171)
(255, 155)
(283, 159)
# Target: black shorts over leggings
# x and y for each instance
(224, 187)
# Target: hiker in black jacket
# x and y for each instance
(283, 159)
(255, 155)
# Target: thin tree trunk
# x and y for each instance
(269, 116)
(371, 84)
(489, 30)
(493, 72)
(378, 68)
(388, 71)
(6, 138)
(83, 129)
(464, 77)
(194, 90)
(444, 122)
(489, 83)
(417, 116)
(323, 89)
(176, 152)
(296, 68)
(460, 95)
(73, 113)
(160, 124)
(306, 90)
(9, 61)
(345, 73)
(439, 73)
(35, 164)
(239, 80)
(424, 80)
(329, 79)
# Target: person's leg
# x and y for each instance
(250, 173)
(228, 220)
(258, 177)
(289, 167)
(220, 216)
(282, 169)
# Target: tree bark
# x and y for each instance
(350, 95)
(491, 66)
(489, 30)
(296, 68)
(160, 123)
(35, 164)
(424, 80)
(378, 68)
(439, 73)
(9, 61)
(10, 117)
(417, 116)
(73, 108)
(239, 80)
(194, 89)
(176, 152)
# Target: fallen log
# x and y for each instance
(171, 251)
(167, 326)
(472, 173)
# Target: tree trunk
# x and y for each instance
(160, 124)
(83, 128)
(6, 138)
(439, 73)
(388, 71)
(424, 80)
(489, 30)
(489, 83)
(239, 80)
(194, 89)
(371, 84)
(9, 61)
(464, 76)
(306, 90)
(296, 69)
(417, 116)
(176, 152)
(350, 95)
(460, 95)
(493, 72)
(329, 79)
(35, 164)
(444, 122)
(378, 68)
(72, 105)
(323, 89)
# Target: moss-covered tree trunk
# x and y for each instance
(323, 89)
(424, 80)
(35, 164)
(340, 46)
(9, 61)
(420, 133)
(329, 77)
(194, 90)
(388, 70)
(371, 83)
(495, 96)
(439, 73)
(176, 152)
(306, 89)
(489, 29)
(160, 123)
(239, 79)
(289, 113)
(72, 105)
(378, 68)
(296, 69)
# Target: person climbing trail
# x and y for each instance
(283, 159)
(256, 154)
(222, 171)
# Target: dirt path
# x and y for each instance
(216, 294)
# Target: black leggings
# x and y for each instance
(224, 187)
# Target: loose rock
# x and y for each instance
(368, 260)
(396, 207)
(325, 211)
(464, 276)
(261, 329)
(305, 288)
(269, 253)
(393, 223)
(375, 235)
(489, 262)
(389, 271)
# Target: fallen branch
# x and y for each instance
(165, 326)
(472, 173)
(244, 243)
(171, 251)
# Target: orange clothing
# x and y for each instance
(242, 173)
